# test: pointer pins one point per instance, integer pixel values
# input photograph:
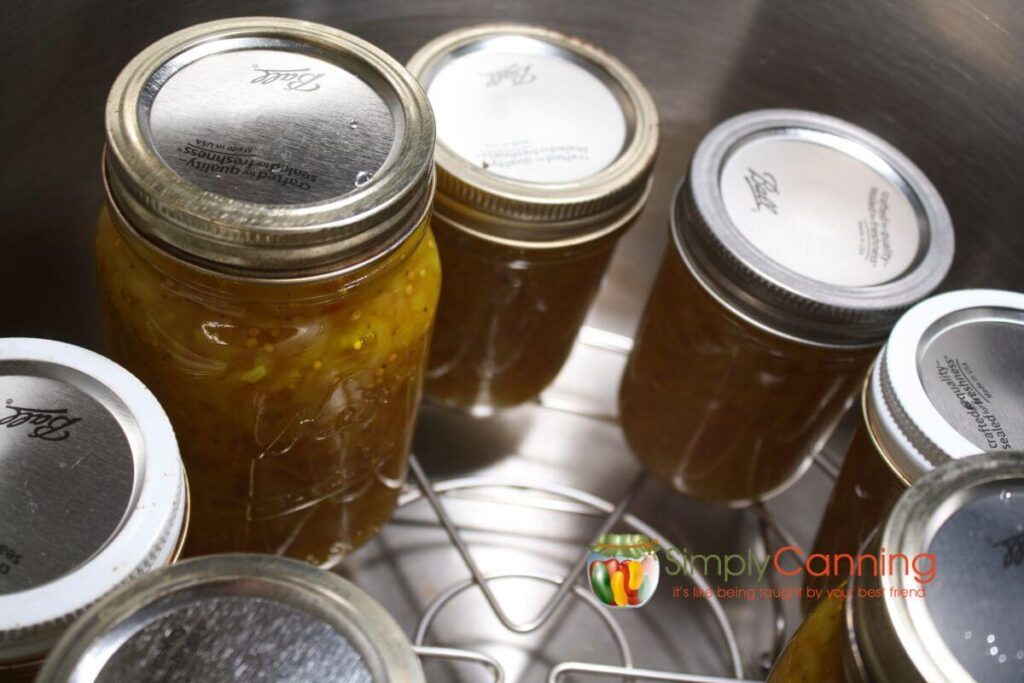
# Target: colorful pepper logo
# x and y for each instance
(623, 569)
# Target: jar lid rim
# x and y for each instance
(239, 225)
(546, 210)
(915, 432)
(897, 632)
(152, 521)
(780, 298)
(313, 594)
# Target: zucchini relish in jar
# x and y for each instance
(949, 384)
(544, 156)
(267, 268)
(798, 240)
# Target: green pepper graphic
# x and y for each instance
(601, 582)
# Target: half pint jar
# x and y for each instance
(936, 595)
(235, 619)
(949, 384)
(544, 156)
(92, 491)
(267, 267)
(798, 239)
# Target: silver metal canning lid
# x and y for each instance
(92, 489)
(236, 618)
(949, 383)
(969, 515)
(269, 146)
(810, 227)
(543, 138)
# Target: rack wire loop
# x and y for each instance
(614, 514)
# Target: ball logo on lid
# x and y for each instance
(1014, 550)
(513, 74)
(762, 186)
(301, 80)
(50, 424)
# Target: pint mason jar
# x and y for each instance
(937, 597)
(233, 619)
(797, 240)
(949, 384)
(267, 267)
(92, 492)
(544, 156)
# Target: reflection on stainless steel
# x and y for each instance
(567, 584)
(643, 674)
(913, 72)
(580, 592)
(506, 501)
(606, 526)
(779, 625)
(454, 654)
(509, 509)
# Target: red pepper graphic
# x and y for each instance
(617, 582)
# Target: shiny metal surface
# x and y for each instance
(281, 643)
(972, 368)
(516, 518)
(939, 80)
(269, 147)
(280, 142)
(92, 488)
(67, 473)
(524, 108)
(235, 618)
(960, 529)
(543, 138)
(912, 72)
(810, 227)
(949, 382)
(983, 539)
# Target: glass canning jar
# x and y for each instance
(943, 605)
(92, 492)
(949, 384)
(267, 267)
(544, 156)
(235, 619)
(798, 239)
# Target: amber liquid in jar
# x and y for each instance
(508, 316)
(719, 409)
(815, 652)
(22, 672)
(293, 402)
(864, 494)
(527, 216)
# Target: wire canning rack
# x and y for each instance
(570, 586)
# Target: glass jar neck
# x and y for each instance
(205, 282)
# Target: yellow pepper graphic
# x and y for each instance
(619, 588)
